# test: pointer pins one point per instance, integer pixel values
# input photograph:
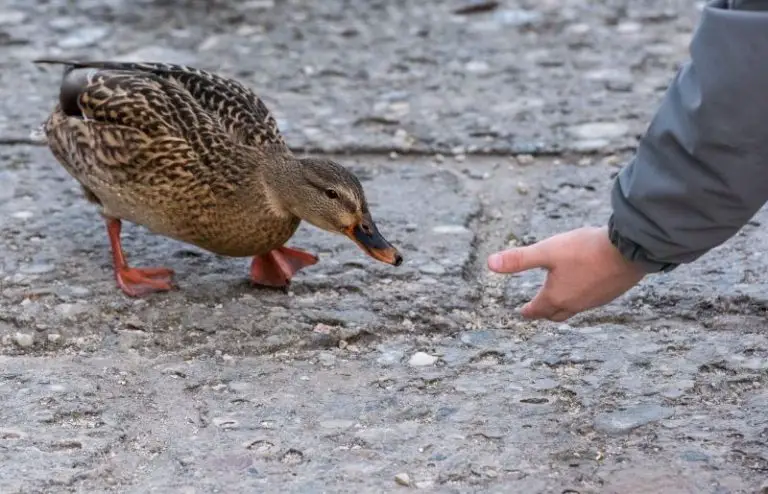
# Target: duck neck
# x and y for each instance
(280, 180)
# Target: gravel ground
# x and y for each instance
(364, 377)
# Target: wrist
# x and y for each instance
(635, 253)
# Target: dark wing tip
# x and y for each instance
(72, 85)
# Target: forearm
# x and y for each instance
(701, 171)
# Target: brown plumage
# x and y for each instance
(199, 158)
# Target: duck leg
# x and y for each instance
(276, 267)
(135, 282)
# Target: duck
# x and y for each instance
(198, 157)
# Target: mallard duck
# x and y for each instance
(199, 158)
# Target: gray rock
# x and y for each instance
(432, 268)
(403, 479)
(24, 340)
(624, 421)
(599, 130)
(421, 359)
(11, 17)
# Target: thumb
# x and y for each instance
(519, 259)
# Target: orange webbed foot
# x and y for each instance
(137, 282)
(277, 267)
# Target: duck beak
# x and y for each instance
(367, 237)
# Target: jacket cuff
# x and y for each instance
(635, 253)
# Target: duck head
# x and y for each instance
(329, 196)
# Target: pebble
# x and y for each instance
(79, 291)
(590, 145)
(624, 421)
(11, 17)
(24, 340)
(11, 434)
(451, 229)
(421, 359)
(599, 130)
(477, 66)
(23, 215)
(403, 479)
(83, 37)
(525, 159)
(54, 338)
(432, 268)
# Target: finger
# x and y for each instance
(561, 315)
(538, 308)
(519, 259)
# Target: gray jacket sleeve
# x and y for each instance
(701, 170)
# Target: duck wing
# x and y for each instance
(238, 109)
(130, 131)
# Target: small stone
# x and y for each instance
(393, 155)
(54, 338)
(23, 215)
(421, 359)
(590, 145)
(11, 17)
(11, 434)
(83, 37)
(599, 130)
(439, 158)
(79, 291)
(522, 189)
(525, 159)
(432, 268)
(624, 421)
(24, 340)
(629, 27)
(403, 479)
(477, 66)
(451, 229)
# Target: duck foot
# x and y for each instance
(276, 267)
(135, 282)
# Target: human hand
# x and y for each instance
(584, 271)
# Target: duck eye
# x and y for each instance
(332, 194)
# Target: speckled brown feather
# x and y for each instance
(178, 150)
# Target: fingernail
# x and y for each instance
(494, 262)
